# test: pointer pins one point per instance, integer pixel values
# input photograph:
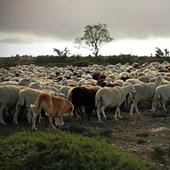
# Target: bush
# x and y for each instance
(158, 155)
(140, 141)
(41, 150)
(50, 60)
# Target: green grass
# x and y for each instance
(40, 150)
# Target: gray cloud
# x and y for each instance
(13, 40)
(66, 19)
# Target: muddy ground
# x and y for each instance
(148, 138)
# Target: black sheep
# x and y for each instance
(84, 96)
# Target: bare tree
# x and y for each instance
(166, 52)
(94, 37)
(159, 52)
(62, 53)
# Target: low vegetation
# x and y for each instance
(40, 150)
(49, 61)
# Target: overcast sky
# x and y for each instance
(29, 24)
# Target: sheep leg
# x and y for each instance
(83, 110)
(29, 115)
(88, 111)
(137, 111)
(159, 105)
(131, 109)
(33, 121)
(76, 113)
(154, 106)
(164, 107)
(15, 118)
(116, 113)
(1, 115)
(119, 114)
(127, 102)
(76, 110)
(103, 112)
(98, 114)
(6, 112)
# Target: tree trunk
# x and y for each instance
(96, 52)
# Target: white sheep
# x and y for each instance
(10, 83)
(144, 91)
(133, 81)
(162, 95)
(144, 79)
(80, 82)
(64, 90)
(8, 98)
(91, 82)
(118, 82)
(26, 97)
(35, 85)
(110, 97)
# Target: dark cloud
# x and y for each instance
(66, 19)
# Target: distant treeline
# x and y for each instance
(6, 62)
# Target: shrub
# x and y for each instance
(140, 141)
(158, 155)
(41, 150)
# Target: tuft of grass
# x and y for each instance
(40, 150)
(140, 141)
(106, 132)
(158, 155)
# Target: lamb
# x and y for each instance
(55, 106)
(162, 94)
(144, 91)
(8, 97)
(110, 97)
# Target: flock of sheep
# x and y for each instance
(90, 89)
